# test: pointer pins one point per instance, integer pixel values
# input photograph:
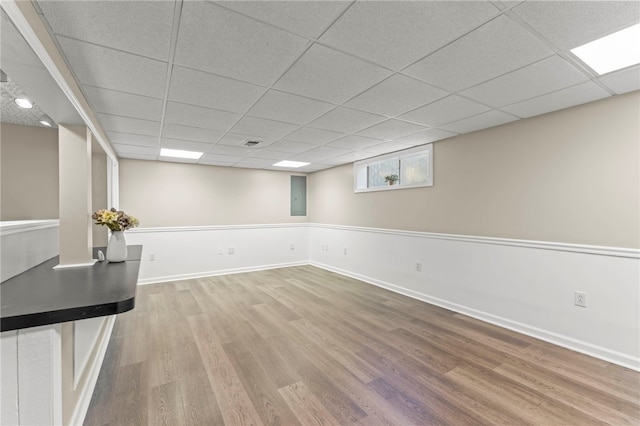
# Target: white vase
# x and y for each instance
(117, 247)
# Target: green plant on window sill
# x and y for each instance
(392, 179)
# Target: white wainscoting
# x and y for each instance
(192, 252)
(25, 244)
(525, 286)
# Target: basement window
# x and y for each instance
(410, 168)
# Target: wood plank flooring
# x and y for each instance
(303, 346)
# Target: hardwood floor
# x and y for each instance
(305, 346)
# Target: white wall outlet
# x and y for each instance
(220, 251)
(152, 257)
(345, 251)
(292, 246)
(231, 250)
(419, 266)
(580, 299)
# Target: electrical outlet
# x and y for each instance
(152, 257)
(418, 266)
(231, 250)
(220, 251)
(292, 246)
(345, 251)
(580, 299)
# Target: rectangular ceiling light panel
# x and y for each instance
(613, 52)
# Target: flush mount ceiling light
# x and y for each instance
(178, 153)
(291, 164)
(23, 103)
(45, 123)
(613, 52)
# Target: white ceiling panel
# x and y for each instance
(196, 116)
(235, 151)
(140, 27)
(308, 168)
(355, 142)
(308, 18)
(263, 128)
(318, 154)
(254, 163)
(117, 123)
(134, 156)
(387, 147)
(113, 69)
(496, 48)
(426, 136)
(348, 158)
(185, 145)
(238, 140)
(314, 136)
(280, 106)
(397, 33)
(291, 146)
(219, 163)
(346, 120)
(326, 74)
(175, 131)
(124, 104)
(569, 24)
(565, 98)
(234, 45)
(537, 79)
(135, 150)
(451, 108)
(396, 95)
(480, 121)
(132, 139)
(391, 129)
(219, 159)
(200, 88)
(270, 154)
(623, 81)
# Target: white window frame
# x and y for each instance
(400, 155)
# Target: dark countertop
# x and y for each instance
(43, 295)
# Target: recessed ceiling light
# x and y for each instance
(45, 123)
(24, 103)
(613, 52)
(178, 153)
(292, 164)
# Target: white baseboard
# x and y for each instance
(205, 274)
(557, 339)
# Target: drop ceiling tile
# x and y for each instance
(270, 154)
(280, 106)
(569, 24)
(546, 76)
(355, 142)
(318, 154)
(113, 69)
(565, 98)
(396, 95)
(263, 128)
(234, 45)
(254, 163)
(395, 34)
(237, 139)
(623, 81)
(427, 136)
(175, 131)
(308, 18)
(125, 104)
(310, 168)
(391, 129)
(291, 146)
(236, 151)
(195, 116)
(133, 156)
(346, 120)
(140, 27)
(212, 91)
(132, 139)
(313, 136)
(451, 108)
(348, 158)
(185, 145)
(122, 149)
(481, 121)
(496, 48)
(220, 158)
(387, 147)
(328, 75)
(117, 123)
(177, 160)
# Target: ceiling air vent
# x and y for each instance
(252, 144)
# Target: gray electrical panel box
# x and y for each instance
(298, 195)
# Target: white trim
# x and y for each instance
(557, 339)
(82, 405)
(541, 245)
(17, 226)
(215, 228)
(76, 265)
(205, 274)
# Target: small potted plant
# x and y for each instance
(392, 179)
